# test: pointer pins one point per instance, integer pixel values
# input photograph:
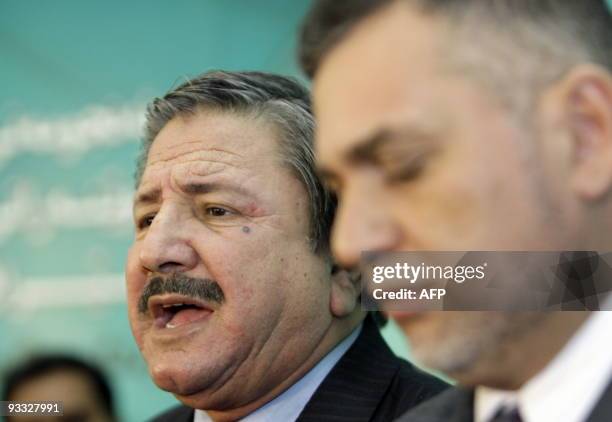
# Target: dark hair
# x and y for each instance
(281, 100)
(40, 366)
(587, 22)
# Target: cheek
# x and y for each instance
(135, 278)
(464, 193)
(246, 267)
(445, 206)
(261, 279)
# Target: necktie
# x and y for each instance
(505, 414)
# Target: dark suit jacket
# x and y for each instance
(457, 405)
(369, 383)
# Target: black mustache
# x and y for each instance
(199, 288)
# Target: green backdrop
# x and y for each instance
(74, 79)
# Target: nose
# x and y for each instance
(166, 246)
(363, 223)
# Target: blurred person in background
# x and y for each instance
(458, 125)
(234, 300)
(82, 388)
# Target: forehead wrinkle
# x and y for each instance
(195, 167)
(187, 176)
(163, 156)
(203, 168)
(199, 142)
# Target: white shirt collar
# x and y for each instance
(568, 388)
(289, 405)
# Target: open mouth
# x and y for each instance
(174, 311)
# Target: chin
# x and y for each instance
(446, 342)
(174, 377)
(168, 378)
(202, 400)
(206, 397)
(456, 361)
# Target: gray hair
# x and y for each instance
(281, 100)
(513, 47)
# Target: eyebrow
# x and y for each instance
(194, 188)
(367, 150)
(147, 197)
(363, 152)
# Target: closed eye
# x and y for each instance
(406, 172)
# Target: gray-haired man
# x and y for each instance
(474, 125)
(233, 298)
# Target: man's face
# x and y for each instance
(424, 159)
(222, 226)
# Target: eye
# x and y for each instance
(402, 161)
(145, 221)
(407, 173)
(217, 211)
(403, 168)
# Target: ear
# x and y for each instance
(588, 110)
(345, 291)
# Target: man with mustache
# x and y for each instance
(234, 300)
(468, 125)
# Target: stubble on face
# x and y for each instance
(472, 347)
(488, 175)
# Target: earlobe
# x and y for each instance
(589, 113)
(344, 295)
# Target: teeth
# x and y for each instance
(169, 325)
(173, 305)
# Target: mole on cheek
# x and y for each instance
(246, 229)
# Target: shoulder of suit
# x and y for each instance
(419, 383)
(446, 406)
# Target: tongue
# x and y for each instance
(188, 315)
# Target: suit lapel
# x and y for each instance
(356, 384)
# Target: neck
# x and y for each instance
(338, 331)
